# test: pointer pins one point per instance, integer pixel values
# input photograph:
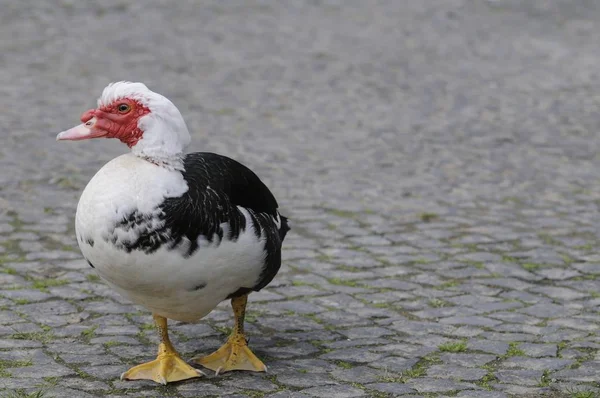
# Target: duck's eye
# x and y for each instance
(123, 108)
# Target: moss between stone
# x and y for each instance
(12, 246)
(349, 268)
(344, 365)
(110, 343)
(20, 393)
(382, 305)
(319, 343)
(341, 213)
(44, 284)
(8, 270)
(48, 382)
(378, 394)
(88, 334)
(428, 217)
(5, 363)
(11, 257)
(16, 221)
(437, 303)
(390, 378)
(593, 293)
(416, 371)
(226, 330)
(93, 278)
(590, 354)
(43, 337)
(314, 318)
(254, 393)
(486, 380)
(253, 316)
(589, 277)
(147, 326)
(531, 266)
(67, 183)
(324, 258)
(586, 247)
(568, 260)
(342, 282)
(580, 394)
(447, 285)
(477, 264)
(548, 239)
(561, 346)
(453, 346)
(513, 350)
(420, 368)
(300, 283)
(545, 379)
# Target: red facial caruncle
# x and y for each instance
(118, 119)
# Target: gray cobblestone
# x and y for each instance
(359, 355)
(538, 350)
(467, 360)
(442, 186)
(578, 324)
(59, 392)
(470, 320)
(391, 388)
(428, 385)
(334, 391)
(537, 363)
(481, 394)
(520, 377)
(251, 383)
(522, 391)
(579, 374)
(358, 374)
(456, 372)
(40, 372)
(305, 380)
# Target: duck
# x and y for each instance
(175, 233)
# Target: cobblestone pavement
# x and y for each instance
(438, 159)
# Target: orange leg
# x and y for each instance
(168, 365)
(234, 354)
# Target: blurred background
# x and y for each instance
(382, 102)
(438, 159)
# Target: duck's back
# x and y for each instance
(167, 237)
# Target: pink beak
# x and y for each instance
(83, 131)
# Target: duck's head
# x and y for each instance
(146, 121)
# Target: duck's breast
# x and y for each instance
(119, 226)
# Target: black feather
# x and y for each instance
(217, 186)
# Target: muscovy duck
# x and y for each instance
(175, 233)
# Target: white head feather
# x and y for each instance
(165, 133)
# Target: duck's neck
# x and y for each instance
(168, 162)
(163, 141)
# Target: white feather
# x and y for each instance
(163, 281)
